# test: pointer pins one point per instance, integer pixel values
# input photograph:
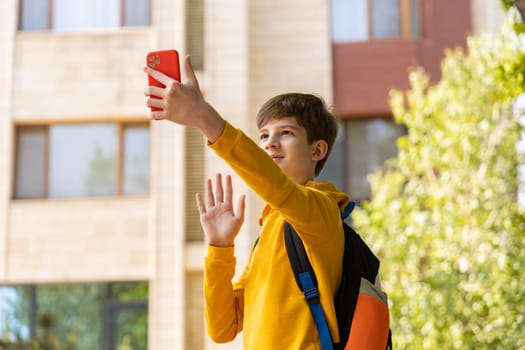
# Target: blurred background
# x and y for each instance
(100, 242)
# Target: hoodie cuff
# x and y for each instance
(226, 141)
(220, 254)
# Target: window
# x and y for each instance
(81, 160)
(369, 143)
(361, 20)
(105, 316)
(82, 15)
(136, 160)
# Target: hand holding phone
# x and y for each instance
(165, 61)
(184, 102)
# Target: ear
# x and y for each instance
(319, 150)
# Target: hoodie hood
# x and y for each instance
(340, 197)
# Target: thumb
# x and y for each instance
(241, 204)
(190, 74)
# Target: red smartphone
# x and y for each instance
(165, 61)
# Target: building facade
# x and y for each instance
(98, 225)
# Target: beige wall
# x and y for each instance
(253, 50)
(290, 48)
(79, 76)
(167, 283)
(7, 30)
(77, 240)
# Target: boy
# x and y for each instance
(296, 134)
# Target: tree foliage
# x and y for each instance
(444, 216)
(73, 316)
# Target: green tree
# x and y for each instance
(443, 215)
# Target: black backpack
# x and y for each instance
(361, 306)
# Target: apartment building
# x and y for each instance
(99, 234)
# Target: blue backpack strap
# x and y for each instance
(348, 209)
(307, 282)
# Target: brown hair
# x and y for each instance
(311, 113)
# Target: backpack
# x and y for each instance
(361, 306)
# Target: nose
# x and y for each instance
(271, 142)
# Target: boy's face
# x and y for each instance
(286, 143)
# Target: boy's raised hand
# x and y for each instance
(183, 103)
(220, 222)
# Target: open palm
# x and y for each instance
(220, 222)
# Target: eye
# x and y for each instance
(263, 136)
(286, 132)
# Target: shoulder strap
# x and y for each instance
(358, 262)
(307, 282)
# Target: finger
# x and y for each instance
(241, 205)
(219, 192)
(209, 192)
(200, 203)
(228, 191)
(157, 115)
(154, 91)
(155, 102)
(191, 78)
(159, 76)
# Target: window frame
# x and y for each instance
(119, 163)
(16, 146)
(349, 162)
(50, 7)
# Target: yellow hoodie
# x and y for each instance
(266, 303)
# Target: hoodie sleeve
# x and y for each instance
(224, 302)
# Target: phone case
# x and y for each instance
(165, 61)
